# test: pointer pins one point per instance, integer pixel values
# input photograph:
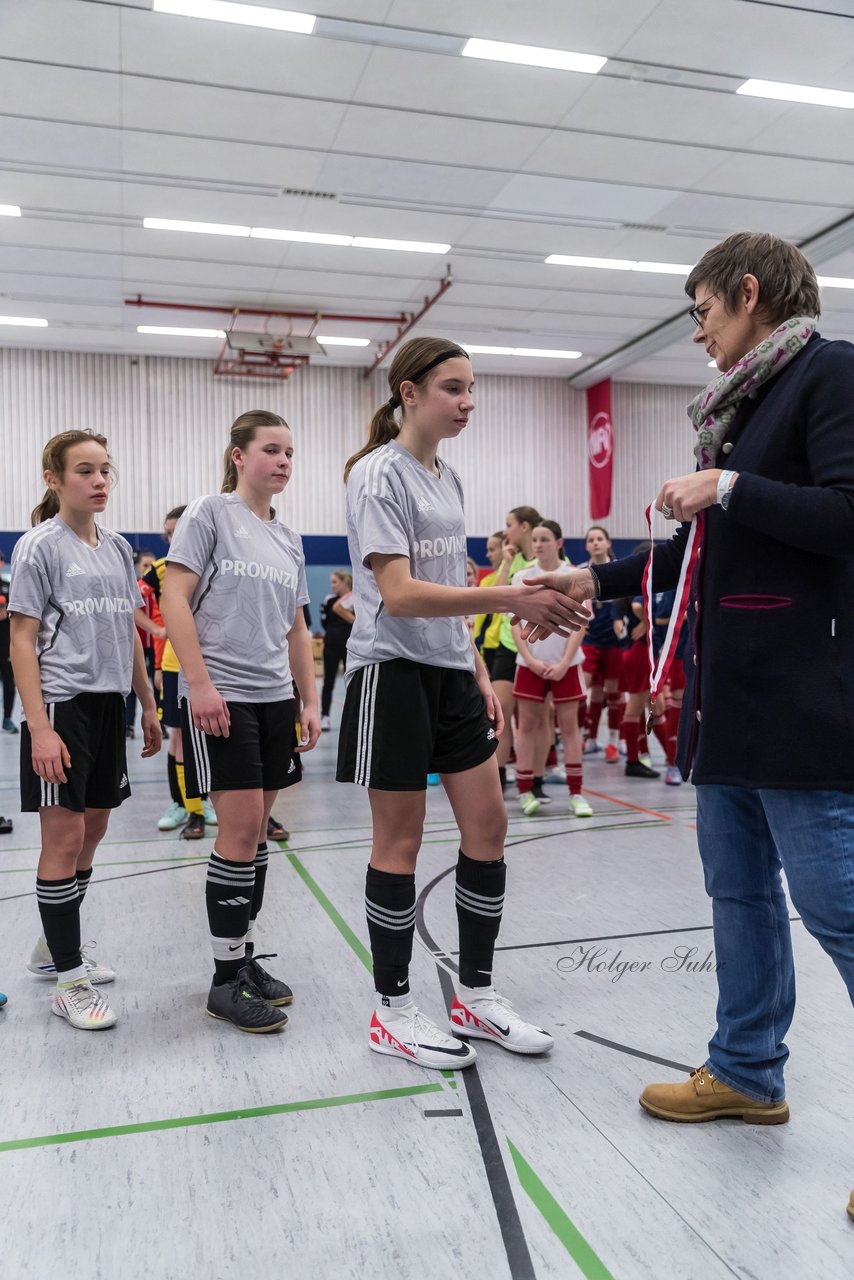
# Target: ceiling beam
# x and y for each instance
(821, 247)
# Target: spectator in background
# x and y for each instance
(6, 673)
(148, 624)
(336, 618)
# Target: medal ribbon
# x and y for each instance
(659, 671)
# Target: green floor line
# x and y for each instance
(129, 862)
(590, 1265)
(216, 1117)
(354, 943)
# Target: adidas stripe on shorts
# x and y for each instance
(404, 719)
(257, 754)
(92, 726)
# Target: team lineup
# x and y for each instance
(445, 677)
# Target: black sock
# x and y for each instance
(59, 908)
(228, 895)
(502, 775)
(480, 902)
(83, 878)
(390, 908)
(172, 775)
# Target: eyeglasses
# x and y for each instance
(698, 314)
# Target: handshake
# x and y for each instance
(551, 603)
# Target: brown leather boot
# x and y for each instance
(704, 1097)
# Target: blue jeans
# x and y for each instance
(745, 837)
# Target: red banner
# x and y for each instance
(600, 448)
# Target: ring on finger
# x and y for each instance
(666, 511)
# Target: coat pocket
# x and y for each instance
(754, 603)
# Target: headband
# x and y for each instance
(394, 400)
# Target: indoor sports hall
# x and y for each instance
(298, 240)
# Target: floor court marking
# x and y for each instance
(635, 1053)
(614, 937)
(588, 1262)
(216, 1117)
(627, 804)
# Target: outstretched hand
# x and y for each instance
(576, 588)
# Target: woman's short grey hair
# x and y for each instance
(787, 282)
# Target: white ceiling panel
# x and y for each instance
(109, 113)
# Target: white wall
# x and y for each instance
(167, 424)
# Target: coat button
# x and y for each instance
(726, 448)
(699, 716)
(695, 659)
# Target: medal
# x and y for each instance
(659, 671)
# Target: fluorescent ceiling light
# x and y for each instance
(532, 56)
(618, 264)
(10, 211)
(604, 264)
(403, 246)
(835, 282)
(797, 93)
(204, 228)
(303, 237)
(173, 332)
(29, 322)
(247, 15)
(343, 342)
(521, 351)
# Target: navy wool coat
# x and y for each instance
(769, 700)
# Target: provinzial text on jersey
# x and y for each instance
(252, 569)
(97, 604)
(428, 548)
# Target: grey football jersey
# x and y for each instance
(397, 507)
(84, 598)
(251, 583)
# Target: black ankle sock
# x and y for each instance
(172, 775)
(480, 902)
(228, 894)
(390, 908)
(59, 908)
(502, 774)
(83, 878)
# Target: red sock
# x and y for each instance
(661, 730)
(594, 715)
(673, 726)
(524, 781)
(643, 742)
(616, 707)
(573, 778)
(631, 733)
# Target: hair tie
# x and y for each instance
(394, 401)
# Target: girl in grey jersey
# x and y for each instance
(419, 701)
(76, 653)
(232, 604)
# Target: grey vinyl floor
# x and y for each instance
(172, 1146)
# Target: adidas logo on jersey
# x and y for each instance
(240, 532)
(490, 735)
(124, 781)
(73, 570)
(423, 505)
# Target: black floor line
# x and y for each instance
(433, 1115)
(511, 843)
(635, 1053)
(515, 1245)
(152, 871)
(612, 937)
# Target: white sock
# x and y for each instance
(72, 976)
(393, 1003)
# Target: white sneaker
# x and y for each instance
(591, 747)
(673, 778)
(579, 807)
(325, 724)
(408, 1033)
(173, 817)
(528, 803)
(83, 1006)
(485, 1015)
(41, 964)
(209, 814)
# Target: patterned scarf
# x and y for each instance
(713, 410)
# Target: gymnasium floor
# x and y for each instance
(172, 1146)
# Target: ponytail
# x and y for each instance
(413, 362)
(384, 427)
(46, 509)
